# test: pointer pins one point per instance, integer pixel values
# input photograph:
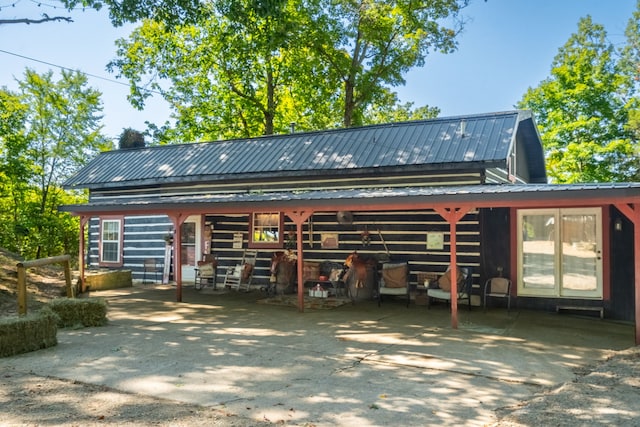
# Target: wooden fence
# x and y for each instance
(22, 277)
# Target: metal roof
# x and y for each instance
(497, 195)
(487, 139)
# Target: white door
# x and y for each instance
(560, 253)
(190, 249)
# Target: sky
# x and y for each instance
(506, 47)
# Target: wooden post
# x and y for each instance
(299, 218)
(22, 290)
(22, 277)
(452, 216)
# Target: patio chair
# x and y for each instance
(498, 287)
(394, 281)
(439, 290)
(240, 275)
(150, 266)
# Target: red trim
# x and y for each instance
(606, 252)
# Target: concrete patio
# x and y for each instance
(352, 365)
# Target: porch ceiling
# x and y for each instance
(478, 196)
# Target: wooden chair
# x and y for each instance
(240, 275)
(463, 288)
(394, 281)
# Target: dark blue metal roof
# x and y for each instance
(452, 141)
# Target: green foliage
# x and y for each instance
(131, 139)
(48, 130)
(254, 68)
(586, 109)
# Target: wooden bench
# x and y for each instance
(580, 308)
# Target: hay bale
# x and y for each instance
(79, 312)
(28, 333)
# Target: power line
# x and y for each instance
(78, 71)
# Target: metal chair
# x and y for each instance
(463, 288)
(499, 287)
(150, 266)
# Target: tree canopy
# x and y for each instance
(583, 109)
(255, 68)
(48, 130)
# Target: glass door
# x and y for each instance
(190, 247)
(559, 253)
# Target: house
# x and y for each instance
(470, 191)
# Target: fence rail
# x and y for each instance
(22, 277)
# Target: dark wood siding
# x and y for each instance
(404, 234)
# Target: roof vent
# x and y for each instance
(463, 128)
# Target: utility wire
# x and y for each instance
(81, 72)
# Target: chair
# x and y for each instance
(206, 272)
(395, 281)
(441, 292)
(499, 287)
(241, 274)
(150, 266)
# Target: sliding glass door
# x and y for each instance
(559, 252)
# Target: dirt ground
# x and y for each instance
(607, 393)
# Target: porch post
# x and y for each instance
(632, 212)
(299, 217)
(452, 216)
(81, 248)
(177, 220)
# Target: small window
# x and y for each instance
(266, 230)
(110, 241)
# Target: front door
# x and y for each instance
(560, 253)
(190, 247)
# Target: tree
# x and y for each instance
(630, 68)
(131, 139)
(254, 68)
(581, 112)
(171, 12)
(55, 129)
(376, 42)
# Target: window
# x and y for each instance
(110, 241)
(266, 230)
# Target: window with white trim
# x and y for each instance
(110, 240)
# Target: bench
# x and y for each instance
(580, 308)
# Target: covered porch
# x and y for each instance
(451, 203)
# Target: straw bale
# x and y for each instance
(80, 312)
(28, 333)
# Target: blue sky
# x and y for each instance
(506, 47)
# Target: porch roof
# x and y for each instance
(497, 195)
